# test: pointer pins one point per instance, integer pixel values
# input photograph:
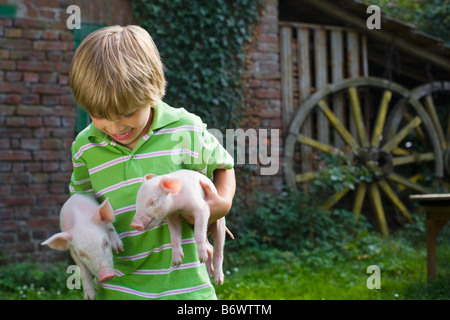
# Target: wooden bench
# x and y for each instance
(437, 207)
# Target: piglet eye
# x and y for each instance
(82, 254)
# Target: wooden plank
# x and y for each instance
(304, 87)
(321, 73)
(365, 56)
(353, 69)
(286, 76)
(337, 74)
(339, 12)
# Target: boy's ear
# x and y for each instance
(170, 185)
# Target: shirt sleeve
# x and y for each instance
(80, 181)
(213, 155)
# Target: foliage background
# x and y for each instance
(429, 16)
(202, 45)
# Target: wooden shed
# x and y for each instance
(376, 99)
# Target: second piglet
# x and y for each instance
(175, 195)
(87, 230)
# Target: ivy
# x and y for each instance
(202, 44)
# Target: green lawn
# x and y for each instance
(317, 274)
(402, 277)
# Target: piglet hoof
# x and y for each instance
(218, 278)
(89, 294)
(177, 258)
(203, 256)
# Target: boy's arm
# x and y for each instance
(225, 183)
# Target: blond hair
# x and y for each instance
(117, 70)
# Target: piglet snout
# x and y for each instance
(137, 225)
(105, 275)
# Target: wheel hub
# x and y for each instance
(378, 162)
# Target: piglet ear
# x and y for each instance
(58, 241)
(170, 185)
(105, 213)
(149, 176)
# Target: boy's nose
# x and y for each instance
(116, 128)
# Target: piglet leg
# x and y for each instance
(200, 229)
(218, 235)
(174, 223)
(86, 278)
(116, 242)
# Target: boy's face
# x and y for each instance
(126, 129)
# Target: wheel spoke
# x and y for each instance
(357, 116)
(359, 198)
(429, 104)
(378, 208)
(394, 177)
(335, 198)
(400, 152)
(381, 118)
(401, 135)
(319, 145)
(337, 124)
(390, 194)
(306, 176)
(414, 158)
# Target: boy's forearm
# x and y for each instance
(225, 183)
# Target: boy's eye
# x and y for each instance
(129, 115)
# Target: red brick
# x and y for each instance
(7, 65)
(25, 23)
(35, 65)
(50, 34)
(31, 98)
(52, 121)
(32, 34)
(14, 121)
(51, 144)
(13, 32)
(13, 98)
(12, 76)
(15, 155)
(50, 100)
(4, 54)
(12, 43)
(33, 121)
(50, 45)
(30, 144)
(53, 199)
(48, 89)
(30, 77)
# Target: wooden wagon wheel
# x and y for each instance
(435, 96)
(348, 119)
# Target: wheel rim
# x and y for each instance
(367, 139)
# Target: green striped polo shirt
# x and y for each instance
(176, 140)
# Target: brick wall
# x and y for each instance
(37, 112)
(37, 118)
(263, 91)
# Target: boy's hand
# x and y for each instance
(218, 206)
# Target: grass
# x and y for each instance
(402, 276)
(273, 275)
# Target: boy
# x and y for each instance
(117, 76)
